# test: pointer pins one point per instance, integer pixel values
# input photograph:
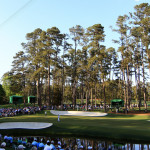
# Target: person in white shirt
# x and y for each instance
(3, 145)
(47, 146)
(21, 147)
(58, 117)
(52, 146)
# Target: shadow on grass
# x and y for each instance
(57, 131)
(111, 126)
(111, 115)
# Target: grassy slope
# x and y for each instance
(123, 127)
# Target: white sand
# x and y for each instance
(78, 113)
(24, 125)
(41, 125)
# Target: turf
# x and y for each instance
(117, 127)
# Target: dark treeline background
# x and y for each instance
(58, 68)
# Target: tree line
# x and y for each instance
(59, 67)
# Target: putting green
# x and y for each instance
(78, 113)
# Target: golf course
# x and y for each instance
(113, 126)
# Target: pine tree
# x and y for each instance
(77, 33)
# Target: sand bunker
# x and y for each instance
(78, 113)
(24, 125)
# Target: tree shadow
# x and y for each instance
(118, 115)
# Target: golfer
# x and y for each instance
(58, 118)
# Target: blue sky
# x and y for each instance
(19, 17)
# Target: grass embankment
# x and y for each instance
(123, 127)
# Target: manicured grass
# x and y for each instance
(123, 127)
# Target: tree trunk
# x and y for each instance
(82, 94)
(45, 95)
(95, 95)
(49, 88)
(136, 84)
(91, 98)
(144, 89)
(74, 77)
(138, 88)
(125, 98)
(38, 93)
(62, 100)
(104, 95)
(52, 92)
(145, 97)
(74, 95)
(128, 86)
(87, 99)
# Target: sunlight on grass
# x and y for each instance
(113, 125)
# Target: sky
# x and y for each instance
(19, 17)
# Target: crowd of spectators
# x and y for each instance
(8, 142)
(41, 143)
(9, 112)
(77, 107)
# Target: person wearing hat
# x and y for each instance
(59, 142)
(10, 139)
(24, 141)
(21, 147)
(19, 141)
(6, 138)
(47, 146)
(41, 144)
(34, 143)
(52, 145)
(3, 145)
(89, 147)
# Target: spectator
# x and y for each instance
(24, 141)
(6, 138)
(21, 147)
(10, 139)
(3, 145)
(0, 137)
(41, 145)
(34, 143)
(47, 147)
(19, 141)
(52, 145)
